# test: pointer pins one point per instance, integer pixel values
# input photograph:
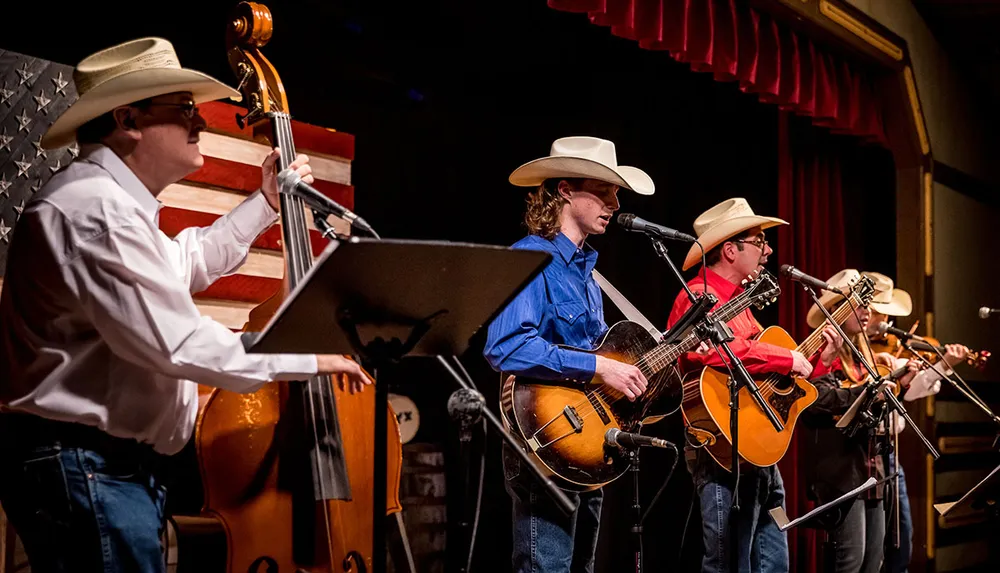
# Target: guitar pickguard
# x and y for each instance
(782, 403)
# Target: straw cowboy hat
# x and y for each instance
(722, 222)
(888, 300)
(128, 73)
(842, 280)
(586, 157)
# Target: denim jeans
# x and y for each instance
(762, 547)
(898, 559)
(545, 539)
(859, 538)
(82, 509)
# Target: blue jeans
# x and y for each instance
(82, 509)
(859, 538)
(762, 547)
(545, 539)
(898, 559)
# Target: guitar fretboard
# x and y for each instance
(812, 342)
(665, 354)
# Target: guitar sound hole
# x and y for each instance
(784, 384)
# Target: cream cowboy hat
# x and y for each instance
(888, 300)
(842, 280)
(586, 157)
(724, 221)
(128, 73)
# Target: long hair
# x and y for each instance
(545, 206)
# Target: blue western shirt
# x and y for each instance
(561, 306)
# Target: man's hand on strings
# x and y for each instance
(623, 377)
(832, 343)
(956, 354)
(801, 367)
(354, 378)
(912, 368)
(269, 174)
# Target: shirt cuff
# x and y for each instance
(578, 366)
(783, 362)
(295, 366)
(252, 217)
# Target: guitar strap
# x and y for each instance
(627, 308)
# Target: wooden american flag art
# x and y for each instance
(35, 92)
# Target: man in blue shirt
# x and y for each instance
(576, 194)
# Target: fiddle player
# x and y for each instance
(735, 247)
(895, 302)
(575, 194)
(101, 342)
(837, 463)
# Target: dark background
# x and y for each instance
(447, 98)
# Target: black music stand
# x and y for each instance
(826, 517)
(387, 299)
(985, 496)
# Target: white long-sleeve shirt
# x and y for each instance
(927, 382)
(97, 322)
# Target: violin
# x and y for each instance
(288, 469)
(891, 344)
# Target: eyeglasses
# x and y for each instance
(188, 108)
(759, 242)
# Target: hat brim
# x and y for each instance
(815, 316)
(900, 305)
(129, 88)
(726, 230)
(533, 173)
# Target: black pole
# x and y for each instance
(637, 509)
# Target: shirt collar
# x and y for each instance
(568, 250)
(720, 284)
(102, 155)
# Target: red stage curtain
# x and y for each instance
(810, 198)
(736, 43)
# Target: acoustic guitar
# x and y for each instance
(705, 405)
(562, 425)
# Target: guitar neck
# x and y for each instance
(665, 354)
(812, 342)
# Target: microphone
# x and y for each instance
(985, 311)
(639, 225)
(630, 441)
(291, 183)
(797, 275)
(885, 328)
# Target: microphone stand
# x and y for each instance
(871, 389)
(967, 393)
(720, 335)
(469, 394)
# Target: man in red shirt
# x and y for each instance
(735, 247)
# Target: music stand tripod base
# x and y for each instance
(388, 299)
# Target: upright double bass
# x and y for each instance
(288, 470)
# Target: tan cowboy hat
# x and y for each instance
(724, 221)
(842, 280)
(586, 157)
(888, 300)
(128, 73)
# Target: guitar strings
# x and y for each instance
(299, 262)
(665, 355)
(768, 387)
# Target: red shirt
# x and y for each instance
(757, 357)
(820, 369)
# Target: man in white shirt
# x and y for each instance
(101, 345)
